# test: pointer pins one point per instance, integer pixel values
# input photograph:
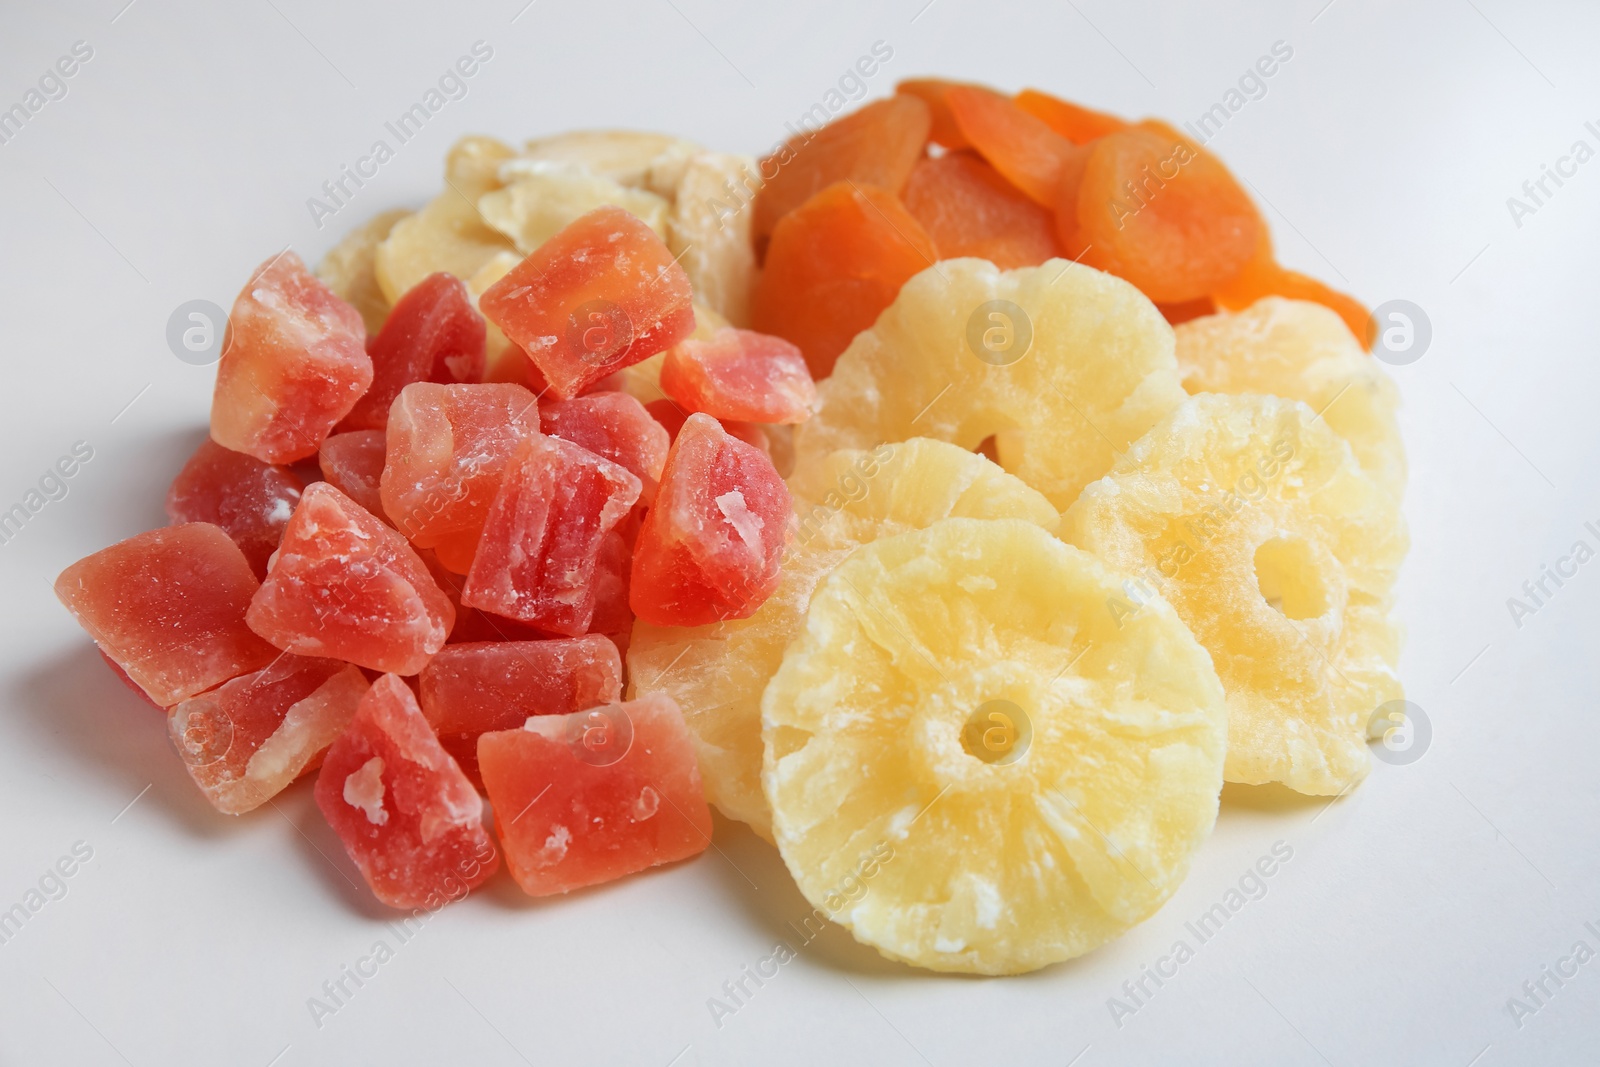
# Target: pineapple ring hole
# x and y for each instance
(1289, 580)
(787, 740)
(998, 732)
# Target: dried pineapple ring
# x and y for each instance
(639, 160)
(1302, 351)
(1062, 364)
(546, 197)
(448, 234)
(1254, 521)
(1011, 842)
(709, 231)
(347, 269)
(716, 673)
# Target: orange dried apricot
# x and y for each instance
(1077, 124)
(931, 91)
(1030, 155)
(968, 209)
(1262, 276)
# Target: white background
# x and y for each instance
(1386, 148)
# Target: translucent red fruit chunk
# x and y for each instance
(345, 586)
(472, 689)
(710, 547)
(585, 798)
(434, 334)
(612, 615)
(601, 295)
(353, 463)
(249, 499)
(671, 416)
(168, 607)
(447, 447)
(407, 815)
(741, 375)
(614, 426)
(248, 739)
(294, 363)
(541, 541)
(132, 685)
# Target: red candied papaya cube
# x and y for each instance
(249, 499)
(671, 416)
(408, 817)
(294, 362)
(589, 797)
(741, 375)
(601, 295)
(122, 676)
(711, 544)
(612, 615)
(541, 541)
(434, 334)
(447, 447)
(248, 739)
(353, 463)
(345, 586)
(168, 607)
(614, 426)
(474, 688)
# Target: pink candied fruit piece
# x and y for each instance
(249, 499)
(672, 416)
(614, 426)
(541, 541)
(245, 741)
(740, 375)
(710, 547)
(408, 817)
(472, 689)
(294, 362)
(122, 676)
(601, 295)
(592, 796)
(612, 615)
(353, 463)
(345, 586)
(168, 607)
(433, 334)
(447, 448)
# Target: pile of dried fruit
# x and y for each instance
(991, 612)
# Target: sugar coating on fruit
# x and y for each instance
(447, 447)
(615, 426)
(405, 813)
(741, 375)
(353, 463)
(1027, 778)
(345, 586)
(1062, 365)
(716, 673)
(711, 545)
(601, 295)
(541, 541)
(168, 607)
(590, 797)
(1255, 522)
(294, 362)
(248, 739)
(1301, 351)
(249, 499)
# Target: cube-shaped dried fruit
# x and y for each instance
(248, 739)
(474, 688)
(434, 334)
(353, 463)
(541, 541)
(614, 426)
(585, 798)
(601, 295)
(168, 607)
(448, 446)
(741, 375)
(407, 815)
(710, 547)
(345, 586)
(294, 363)
(612, 615)
(249, 499)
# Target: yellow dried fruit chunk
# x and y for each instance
(1254, 521)
(639, 160)
(543, 200)
(716, 673)
(709, 231)
(1063, 365)
(1302, 351)
(449, 234)
(347, 269)
(961, 717)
